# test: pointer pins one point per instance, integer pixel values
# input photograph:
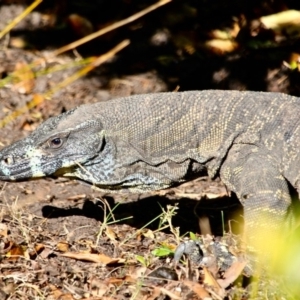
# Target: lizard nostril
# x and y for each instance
(8, 160)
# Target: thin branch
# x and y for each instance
(38, 99)
(20, 17)
(110, 28)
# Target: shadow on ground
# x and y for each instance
(141, 213)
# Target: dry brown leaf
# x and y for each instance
(18, 42)
(46, 252)
(219, 34)
(215, 196)
(225, 34)
(62, 246)
(155, 293)
(195, 196)
(197, 289)
(36, 100)
(97, 286)
(27, 126)
(281, 19)
(97, 258)
(209, 279)
(38, 248)
(170, 294)
(232, 273)
(7, 246)
(149, 234)
(221, 46)
(77, 197)
(3, 230)
(111, 234)
(24, 78)
(138, 272)
(66, 297)
(102, 298)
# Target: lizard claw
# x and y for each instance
(190, 248)
(211, 253)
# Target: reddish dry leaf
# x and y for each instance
(97, 258)
(117, 281)
(55, 292)
(82, 26)
(232, 273)
(16, 251)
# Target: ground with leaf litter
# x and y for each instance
(61, 239)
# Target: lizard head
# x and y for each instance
(77, 144)
(99, 144)
(57, 145)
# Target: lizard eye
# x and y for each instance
(55, 143)
(8, 160)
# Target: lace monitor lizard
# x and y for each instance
(148, 142)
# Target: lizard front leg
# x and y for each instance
(264, 193)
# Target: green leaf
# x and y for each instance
(162, 251)
(142, 260)
(193, 236)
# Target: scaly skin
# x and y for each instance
(154, 141)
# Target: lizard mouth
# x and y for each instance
(65, 172)
(17, 168)
(18, 165)
(12, 169)
(13, 173)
